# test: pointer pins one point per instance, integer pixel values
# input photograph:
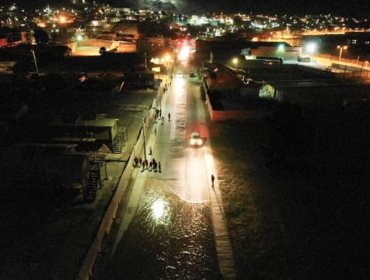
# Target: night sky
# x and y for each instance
(355, 8)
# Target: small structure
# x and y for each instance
(266, 50)
(51, 166)
(103, 129)
(230, 94)
(7, 66)
(139, 79)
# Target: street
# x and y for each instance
(164, 226)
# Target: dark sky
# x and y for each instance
(355, 8)
(359, 8)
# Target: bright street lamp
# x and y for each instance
(341, 48)
(235, 61)
(311, 48)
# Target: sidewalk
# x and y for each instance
(221, 234)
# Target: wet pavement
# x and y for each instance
(168, 238)
(164, 227)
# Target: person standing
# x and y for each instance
(169, 117)
(213, 180)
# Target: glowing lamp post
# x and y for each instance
(281, 48)
(311, 48)
(235, 61)
(341, 48)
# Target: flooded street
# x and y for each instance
(168, 238)
(164, 229)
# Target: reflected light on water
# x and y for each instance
(158, 208)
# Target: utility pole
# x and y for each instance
(34, 60)
(144, 138)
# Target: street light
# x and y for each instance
(311, 48)
(341, 48)
(144, 121)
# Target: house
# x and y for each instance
(103, 129)
(223, 80)
(7, 66)
(44, 163)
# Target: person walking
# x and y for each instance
(169, 117)
(150, 150)
(159, 166)
(213, 180)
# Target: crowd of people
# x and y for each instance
(151, 165)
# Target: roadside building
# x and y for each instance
(126, 29)
(7, 66)
(50, 166)
(103, 129)
(266, 50)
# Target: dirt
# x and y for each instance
(305, 218)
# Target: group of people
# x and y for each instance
(165, 87)
(153, 164)
(147, 165)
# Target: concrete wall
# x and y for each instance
(236, 115)
(217, 115)
(107, 221)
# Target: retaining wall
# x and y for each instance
(217, 115)
(110, 214)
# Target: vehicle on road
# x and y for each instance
(192, 75)
(195, 139)
(179, 74)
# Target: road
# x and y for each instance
(326, 62)
(163, 229)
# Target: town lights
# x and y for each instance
(62, 19)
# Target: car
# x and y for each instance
(191, 75)
(179, 74)
(195, 139)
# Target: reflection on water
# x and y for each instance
(168, 239)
